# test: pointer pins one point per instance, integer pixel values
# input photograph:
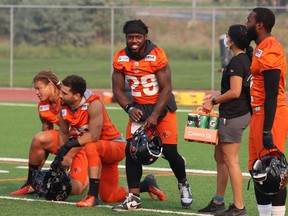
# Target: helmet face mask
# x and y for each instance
(52, 184)
(144, 148)
(270, 173)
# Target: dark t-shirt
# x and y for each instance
(239, 65)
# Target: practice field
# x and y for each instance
(19, 122)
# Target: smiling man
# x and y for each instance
(144, 66)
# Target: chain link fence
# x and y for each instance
(83, 39)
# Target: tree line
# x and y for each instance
(50, 26)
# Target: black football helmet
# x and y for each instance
(145, 148)
(270, 173)
(54, 184)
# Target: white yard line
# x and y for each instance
(102, 206)
(150, 168)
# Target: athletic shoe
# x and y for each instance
(212, 208)
(233, 210)
(24, 190)
(186, 195)
(132, 202)
(154, 188)
(88, 201)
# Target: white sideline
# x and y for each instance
(35, 105)
(101, 206)
(48, 162)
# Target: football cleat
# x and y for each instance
(185, 194)
(132, 202)
(24, 190)
(154, 189)
(88, 201)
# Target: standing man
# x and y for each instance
(145, 67)
(268, 127)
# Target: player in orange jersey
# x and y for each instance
(145, 67)
(268, 127)
(85, 114)
(47, 88)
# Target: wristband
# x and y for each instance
(128, 108)
(213, 101)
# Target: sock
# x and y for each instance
(278, 210)
(220, 199)
(31, 169)
(144, 186)
(93, 187)
(265, 210)
(183, 181)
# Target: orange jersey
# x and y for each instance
(140, 75)
(80, 119)
(48, 113)
(268, 55)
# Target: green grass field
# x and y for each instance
(194, 75)
(18, 125)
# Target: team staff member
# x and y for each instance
(268, 127)
(47, 88)
(234, 117)
(145, 67)
(103, 144)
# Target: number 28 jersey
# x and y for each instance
(140, 75)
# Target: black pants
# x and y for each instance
(134, 169)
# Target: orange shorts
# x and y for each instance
(167, 128)
(279, 132)
(104, 151)
(79, 166)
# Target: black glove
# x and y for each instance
(64, 149)
(267, 140)
(56, 163)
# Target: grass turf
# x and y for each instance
(20, 123)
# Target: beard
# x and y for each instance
(63, 103)
(252, 33)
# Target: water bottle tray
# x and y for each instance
(201, 135)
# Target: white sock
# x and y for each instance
(278, 210)
(265, 210)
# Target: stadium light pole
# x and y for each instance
(213, 51)
(112, 43)
(11, 45)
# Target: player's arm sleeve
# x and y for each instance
(271, 85)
